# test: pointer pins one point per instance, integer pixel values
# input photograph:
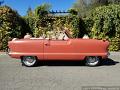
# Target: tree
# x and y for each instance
(30, 20)
(42, 10)
(105, 24)
(81, 6)
(73, 11)
(104, 2)
(30, 12)
(41, 22)
(114, 1)
(84, 6)
(99, 2)
(11, 25)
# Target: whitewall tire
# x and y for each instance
(92, 61)
(29, 61)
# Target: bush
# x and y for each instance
(114, 44)
(11, 25)
(103, 22)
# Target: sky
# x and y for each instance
(22, 5)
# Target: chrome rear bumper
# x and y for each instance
(108, 54)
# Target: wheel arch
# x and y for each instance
(21, 57)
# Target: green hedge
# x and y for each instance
(102, 23)
(11, 25)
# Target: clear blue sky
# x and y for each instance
(22, 5)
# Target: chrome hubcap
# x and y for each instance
(29, 60)
(92, 61)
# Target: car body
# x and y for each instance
(58, 49)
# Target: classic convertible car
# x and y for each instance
(32, 50)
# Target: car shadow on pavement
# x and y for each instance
(107, 62)
(61, 63)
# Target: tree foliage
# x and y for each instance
(101, 22)
(46, 22)
(84, 6)
(42, 10)
(41, 22)
(30, 20)
(11, 25)
(105, 24)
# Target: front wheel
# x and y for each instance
(92, 61)
(29, 61)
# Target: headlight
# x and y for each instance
(7, 50)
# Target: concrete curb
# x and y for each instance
(2, 53)
(115, 53)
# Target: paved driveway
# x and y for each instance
(57, 75)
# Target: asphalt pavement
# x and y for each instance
(59, 75)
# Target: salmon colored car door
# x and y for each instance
(59, 49)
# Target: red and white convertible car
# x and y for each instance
(31, 50)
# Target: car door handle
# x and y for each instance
(46, 44)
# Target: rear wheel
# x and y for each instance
(92, 61)
(29, 61)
